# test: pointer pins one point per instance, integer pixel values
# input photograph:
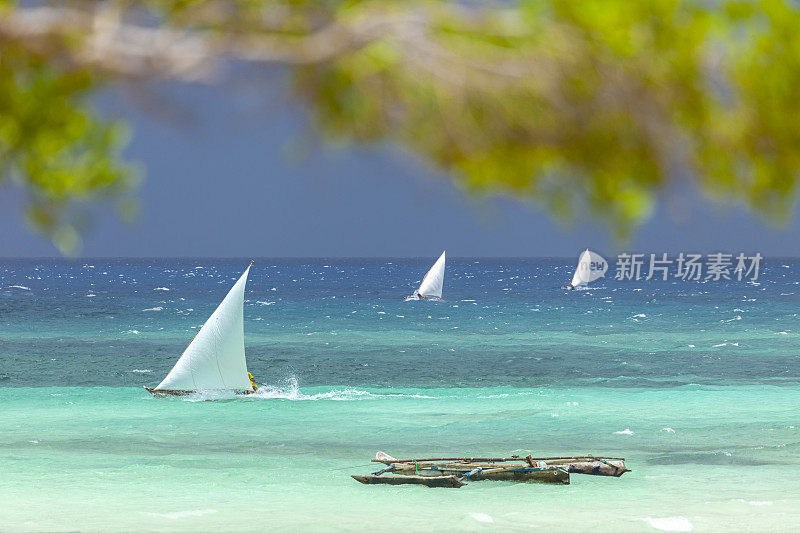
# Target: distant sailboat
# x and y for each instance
(591, 266)
(214, 360)
(431, 286)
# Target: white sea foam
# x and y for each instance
(756, 503)
(159, 308)
(625, 431)
(21, 287)
(161, 289)
(141, 371)
(670, 523)
(668, 430)
(184, 514)
(482, 517)
(291, 391)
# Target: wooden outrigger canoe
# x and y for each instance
(481, 471)
(554, 470)
(487, 471)
(586, 464)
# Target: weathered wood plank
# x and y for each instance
(438, 481)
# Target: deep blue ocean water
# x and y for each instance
(343, 322)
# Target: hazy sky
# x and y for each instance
(225, 177)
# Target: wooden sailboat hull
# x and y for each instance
(558, 476)
(428, 481)
(168, 392)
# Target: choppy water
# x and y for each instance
(697, 384)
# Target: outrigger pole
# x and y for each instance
(498, 459)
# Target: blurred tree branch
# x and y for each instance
(580, 105)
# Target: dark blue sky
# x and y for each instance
(225, 177)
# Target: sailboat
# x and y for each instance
(591, 266)
(431, 286)
(214, 360)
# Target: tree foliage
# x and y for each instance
(591, 105)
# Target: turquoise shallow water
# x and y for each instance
(702, 404)
(95, 459)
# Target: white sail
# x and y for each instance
(431, 285)
(591, 266)
(215, 357)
